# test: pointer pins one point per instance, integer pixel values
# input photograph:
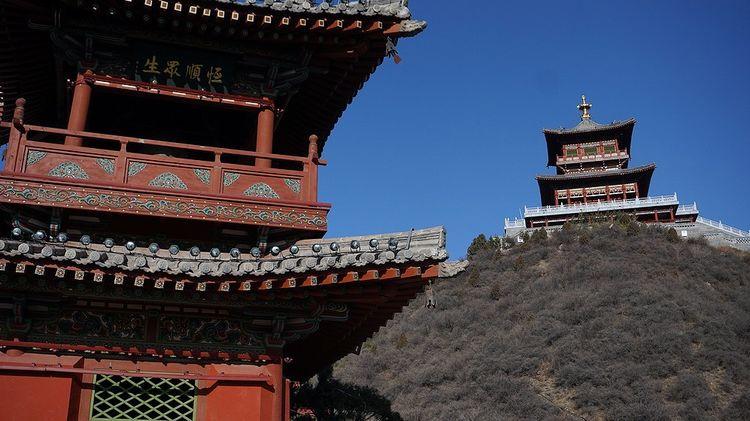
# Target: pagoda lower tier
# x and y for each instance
(83, 321)
(595, 186)
(658, 209)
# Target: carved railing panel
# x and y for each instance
(53, 161)
(287, 186)
(133, 175)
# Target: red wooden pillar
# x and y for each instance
(79, 109)
(606, 189)
(279, 386)
(264, 139)
(624, 192)
(312, 169)
(636, 190)
(568, 196)
(15, 137)
(287, 399)
(584, 195)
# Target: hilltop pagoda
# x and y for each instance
(161, 237)
(593, 179)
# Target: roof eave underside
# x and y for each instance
(641, 175)
(622, 131)
(335, 340)
(309, 112)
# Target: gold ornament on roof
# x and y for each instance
(584, 108)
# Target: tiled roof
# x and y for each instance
(595, 174)
(394, 248)
(395, 8)
(588, 125)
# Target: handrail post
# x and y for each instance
(216, 178)
(15, 137)
(312, 168)
(121, 164)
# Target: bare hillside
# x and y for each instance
(605, 322)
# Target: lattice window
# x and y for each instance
(118, 398)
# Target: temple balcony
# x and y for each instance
(581, 159)
(604, 206)
(105, 173)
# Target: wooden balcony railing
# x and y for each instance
(568, 159)
(154, 166)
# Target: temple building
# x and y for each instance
(161, 236)
(594, 180)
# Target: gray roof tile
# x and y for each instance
(588, 125)
(386, 8)
(419, 245)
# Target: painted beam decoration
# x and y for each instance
(250, 211)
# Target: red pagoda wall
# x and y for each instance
(49, 396)
(40, 396)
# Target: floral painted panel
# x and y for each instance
(69, 169)
(168, 180)
(203, 175)
(34, 156)
(294, 185)
(108, 165)
(135, 167)
(230, 178)
(261, 190)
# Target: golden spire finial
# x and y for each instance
(584, 108)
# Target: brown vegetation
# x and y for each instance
(614, 321)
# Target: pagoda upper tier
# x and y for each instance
(310, 57)
(589, 146)
(133, 113)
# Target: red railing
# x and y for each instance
(566, 159)
(135, 163)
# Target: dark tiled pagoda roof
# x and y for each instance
(370, 283)
(549, 183)
(588, 126)
(588, 175)
(395, 8)
(413, 246)
(588, 130)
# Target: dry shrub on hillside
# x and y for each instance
(616, 321)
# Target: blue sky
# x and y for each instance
(453, 135)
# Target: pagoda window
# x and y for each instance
(570, 150)
(596, 193)
(609, 147)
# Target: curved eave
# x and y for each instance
(640, 175)
(382, 8)
(555, 138)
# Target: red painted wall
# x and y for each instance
(35, 397)
(32, 396)
(39, 396)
